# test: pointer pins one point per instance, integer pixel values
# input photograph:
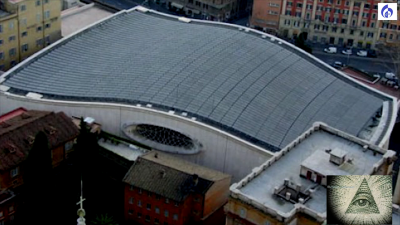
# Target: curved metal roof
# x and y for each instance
(263, 91)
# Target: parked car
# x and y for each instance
(372, 53)
(338, 65)
(347, 52)
(362, 53)
(332, 50)
(390, 76)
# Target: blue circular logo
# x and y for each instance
(386, 12)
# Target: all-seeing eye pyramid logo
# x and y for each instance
(363, 201)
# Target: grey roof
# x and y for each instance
(4, 13)
(264, 92)
(163, 179)
(262, 187)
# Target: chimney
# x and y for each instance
(286, 182)
(276, 190)
(288, 196)
(328, 150)
(298, 188)
(162, 173)
(195, 179)
(156, 155)
(301, 200)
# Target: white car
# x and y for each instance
(390, 76)
(331, 50)
(362, 53)
(347, 52)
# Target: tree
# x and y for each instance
(37, 181)
(393, 53)
(300, 42)
(104, 219)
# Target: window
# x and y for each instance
(1, 67)
(1, 42)
(1, 28)
(176, 204)
(363, 23)
(139, 203)
(166, 213)
(39, 28)
(342, 31)
(38, 3)
(365, 15)
(131, 188)
(330, 1)
(1, 55)
(353, 23)
(242, 213)
(157, 210)
(147, 218)
(344, 21)
(130, 212)
(148, 207)
(351, 32)
(14, 172)
(326, 18)
(334, 29)
(46, 1)
(2, 222)
(391, 36)
(328, 9)
(355, 13)
(373, 16)
(338, 2)
(357, 4)
(288, 13)
(47, 14)
(12, 38)
(130, 200)
(23, 7)
(167, 200)
(318, 17)
(157, 197)
(287, 22)
(11, 25)
(156, 221)
(366, 6)
(24, 34)
(165, 223)
(175, 216)
(140, 191)
(372, 25)
(375, 6)
(309, 6)
(298, 14)
(149, 194)
(361, 33)
(347, 3)
(274, 4)
(370, 35)
(289, 3)
(38, 17)
(308, 16)
(296, 23)
(1, 214)
(337, 11)
(299, 5)
(316, 26)
(68, 146)
(272, 12)
(346, 12)
(139, 215)
(12, 52)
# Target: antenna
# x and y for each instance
(81, 211)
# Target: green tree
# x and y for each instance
(103, 219)
(300, 43)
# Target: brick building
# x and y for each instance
(7, 207)
(339, 22)
(161, 189)
(17, 134)
(265, 15)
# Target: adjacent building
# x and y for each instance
(7, 206)
(215, 10)
(161, 189)
(338, 22)
(18, 130)
(291, 187)
(389, 31)
(26, 26)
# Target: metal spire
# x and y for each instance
(81, 211)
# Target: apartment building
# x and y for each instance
(265, 15)
(389, 31)
(215, 10)
(26, 26)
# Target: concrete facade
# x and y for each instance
(221, 151)
(338, 22)
(265, 15)
(32, 25)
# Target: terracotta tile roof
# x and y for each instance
(162, 176)
(17, 134)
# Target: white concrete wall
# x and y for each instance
(221, 151)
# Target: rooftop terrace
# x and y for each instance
(260, 186)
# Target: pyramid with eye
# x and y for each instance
(363, 201)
